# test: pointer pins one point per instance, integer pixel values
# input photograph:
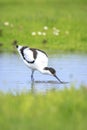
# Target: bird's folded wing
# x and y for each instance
(28, 55)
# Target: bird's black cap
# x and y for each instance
(52, 70)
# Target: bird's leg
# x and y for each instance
(32, 78)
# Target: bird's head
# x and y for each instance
(15, 43)
(52, 71)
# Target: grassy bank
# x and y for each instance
(63, 110)
(19, 19)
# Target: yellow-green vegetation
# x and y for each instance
(54, 110)
(21, 19)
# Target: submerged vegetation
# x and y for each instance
(55, 25)
(56, 109)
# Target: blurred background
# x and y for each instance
(56, 25)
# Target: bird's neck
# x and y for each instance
(44, 71)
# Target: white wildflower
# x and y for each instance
(33, 33)
(44, 34)
(45, 28)
(56, 33)
(6, 23)
(39, 33)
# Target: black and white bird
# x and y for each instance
(36, 59)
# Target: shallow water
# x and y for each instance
(15, 76)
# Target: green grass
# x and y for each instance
(26, 16)
(55, 110)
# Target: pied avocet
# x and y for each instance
(36, 59)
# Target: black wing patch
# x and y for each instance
(22, 52)
(34, 52)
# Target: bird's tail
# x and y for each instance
(15, 43)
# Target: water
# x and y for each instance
(15, 76)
